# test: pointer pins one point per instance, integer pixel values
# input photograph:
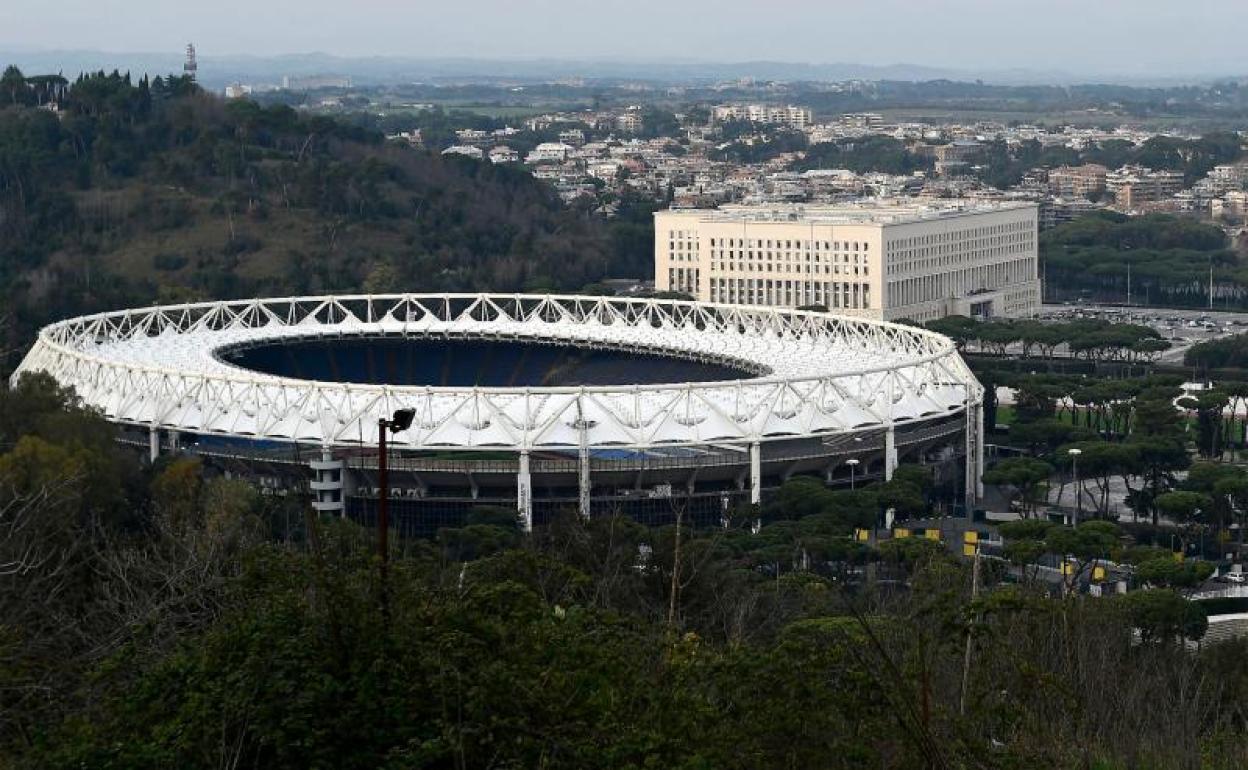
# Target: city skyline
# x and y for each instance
(1109, 38)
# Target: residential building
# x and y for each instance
(861, 121)
(413, 137)
(548, 152)
(1077, 181)
(504, 154)
(630, 121)
(474, 137)
(1135, 185)
(1059, 211)
(786, 115)
(879, 258)
(1228, 177)
(1233, 204)
(465, 150)
(960, 151)
(572, 136)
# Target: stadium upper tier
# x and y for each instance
(762, 374)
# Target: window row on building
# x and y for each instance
(849, 295)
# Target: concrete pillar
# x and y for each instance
(974, 452)
(524, 491)
(175, 441)
(756, 473)
(153, 443)
(583, 483)
(890, 452)
(979, 450)
(583, 479)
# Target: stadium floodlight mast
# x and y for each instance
(401, 421)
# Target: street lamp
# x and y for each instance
(1074, 461)
(402, 420)
(853, 465)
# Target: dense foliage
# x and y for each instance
(1168, 258)
(175, 618)
(136, 192)
(1090, 339)
(866, 154)
(1223, 353)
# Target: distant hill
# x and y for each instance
(219, 71)
(146, 191)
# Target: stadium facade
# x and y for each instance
(536, 403)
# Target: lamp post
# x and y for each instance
(853, 465)
(402, 420)
(1074, 461)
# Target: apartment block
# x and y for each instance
(1077, 181)
(787, 115)
(1134, 185)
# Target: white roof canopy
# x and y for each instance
(815, 374)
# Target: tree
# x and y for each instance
(1099, 462)
(1023, 476)
(903, 496)
(1164, 616)
(1082, 546)
(1025, 542)
(1190, 510)
(1184, 507)
(1046, 435)
(1226, 486)
(1209, 407)
(13, 83)
(1166, 572)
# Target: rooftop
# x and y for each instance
(889, 211)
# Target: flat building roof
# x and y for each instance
(874, 211)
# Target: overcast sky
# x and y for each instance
(1156, 37)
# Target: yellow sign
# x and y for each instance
(901, 532)
(932, 534)
(862, 535)
(970, 536)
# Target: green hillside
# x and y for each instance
(135, 193)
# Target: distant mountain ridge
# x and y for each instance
(217, 71)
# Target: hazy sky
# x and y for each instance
(1156, 37)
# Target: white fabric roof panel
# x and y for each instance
(813, 373)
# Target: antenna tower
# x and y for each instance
(191, 66)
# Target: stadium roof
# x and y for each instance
(815, 374)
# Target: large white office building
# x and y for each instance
(884, 259)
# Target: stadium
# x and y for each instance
(532, 403)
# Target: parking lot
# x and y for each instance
(1182, 328)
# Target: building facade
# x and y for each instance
(1133, 186)
(781, 115)
(1077, 181)
(884, 259)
